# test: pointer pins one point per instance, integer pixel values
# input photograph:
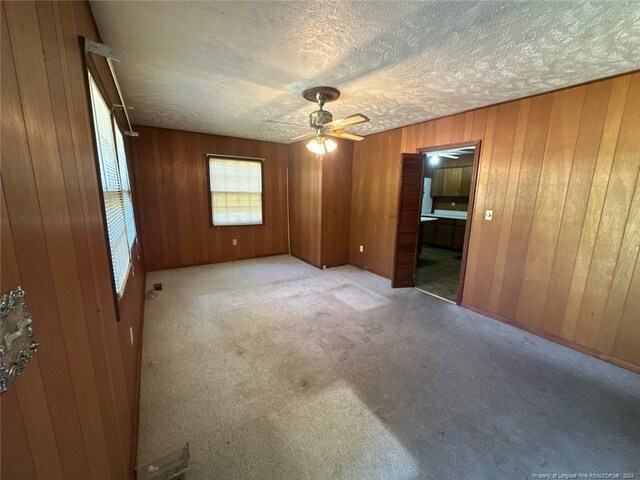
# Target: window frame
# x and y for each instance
(91, 69)
(117, 124)
(261, 161)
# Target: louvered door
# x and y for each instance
(408, 220)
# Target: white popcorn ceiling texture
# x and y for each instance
(227, 67)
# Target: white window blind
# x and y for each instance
(115, 187)
(127, 200)
(236, 191)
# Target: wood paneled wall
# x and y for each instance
(305, 204)
(72, 414)
(170, 176)
(320, 204)
(560, 172)
(374, 201)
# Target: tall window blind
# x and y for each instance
(236, 191)
(116, 190)
(127, 200)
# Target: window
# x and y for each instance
(236, 191)
(116, 190)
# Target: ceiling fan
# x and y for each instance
(434, 157)
(323, 124)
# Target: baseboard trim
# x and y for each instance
(213, 262)
(559, 340)
(136, 415)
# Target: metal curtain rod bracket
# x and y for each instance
(107, 52)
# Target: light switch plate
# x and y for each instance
(361, 248)
(235, 241)
(488, 215)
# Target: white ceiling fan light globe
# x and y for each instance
(315, 147)
(330, 145)
(321, 145)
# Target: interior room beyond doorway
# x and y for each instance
(448, 177)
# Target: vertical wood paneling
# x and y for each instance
(457, 128)
(547, 215)
(374, 201)
(77, 397)
(626, 341)
(444, 127)
(30, 244)
(76, 19)
(613, 223)
(170, 177)
(198, 208)
(499, 148)
(336, 204)
(560, 171)
(623, 279)
(180, 163)
(305, 204)
(528, 178)
(167, 158)
(474, 262)
(509, 204)
(15, 467)
(47, 165)
(30, 390)
(585, 154)
(319, 204)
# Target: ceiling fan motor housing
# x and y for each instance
(319, 118)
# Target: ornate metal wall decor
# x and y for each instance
(17, 344)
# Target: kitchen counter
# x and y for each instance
(452, 216)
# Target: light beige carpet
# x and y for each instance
(273, 369)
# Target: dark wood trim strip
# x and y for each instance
(559, 340)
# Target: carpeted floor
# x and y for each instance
(273, 369)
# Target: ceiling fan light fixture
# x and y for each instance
(434, 159)
(321, 145)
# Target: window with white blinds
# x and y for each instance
(236, 191)
(127, 200)
(116, 190)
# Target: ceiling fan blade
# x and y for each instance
(346, 135)
(287, 123)
(448, 155)
(346, 121)
(302, 137)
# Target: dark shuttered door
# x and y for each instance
(408, 222)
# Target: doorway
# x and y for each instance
(442, 218)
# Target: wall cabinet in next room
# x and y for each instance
(451, 182)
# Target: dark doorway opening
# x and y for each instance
(435, 223)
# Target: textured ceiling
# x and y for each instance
(226, 67)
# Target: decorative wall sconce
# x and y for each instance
(17, 344)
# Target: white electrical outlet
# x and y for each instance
(131, 335)
(235, 241)
(362, 248)
(488, 215)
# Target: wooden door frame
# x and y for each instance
(472, 199)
